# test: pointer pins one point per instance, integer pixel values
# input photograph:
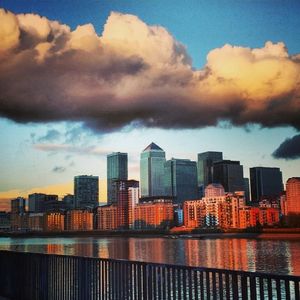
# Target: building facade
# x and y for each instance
(68, 201)
(293, 196)
(5, 221)
(154, 215)
(205, 168)
(54, 221)
(265, 182)
(247, 189)
(36, 221)
(117, 169)
(79, 219)
(107, 217)
(126, 191)
(180, 180)
(230, 174)
(18, 205)
(86, 191)
(194, 214)
(152, 163)
(36, 202)
(18, 212)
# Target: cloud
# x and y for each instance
(50, 136)
(134, 74)
(59, 169)
(289, 149)
(77, 134)
(67, 148)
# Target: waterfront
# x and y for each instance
(280, 256)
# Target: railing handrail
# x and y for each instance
(206, 269)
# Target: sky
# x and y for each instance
(81, 79)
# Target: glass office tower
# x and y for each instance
(265, 182)
(152, 171)
(205, 168)
(181, 180)
(117, 169)
(230, 174)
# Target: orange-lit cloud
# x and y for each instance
(139, 74)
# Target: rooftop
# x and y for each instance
(151, 147)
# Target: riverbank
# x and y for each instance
(267, 233)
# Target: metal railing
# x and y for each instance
(47, 276)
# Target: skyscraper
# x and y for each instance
(205, 168)
(265, 182)
(86, 191)
(229, 173)
(152, 171)
(181, 179)
(117, 169)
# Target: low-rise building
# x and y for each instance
(107, 217)
(79, 219)
(54, 221)
(156, 214)
(194, 213)
(36, 221)
(269, 216)
(4, 221)
(249, 217)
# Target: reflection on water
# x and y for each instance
(274, 256)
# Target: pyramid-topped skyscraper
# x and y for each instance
(152, 163)
(152, 146)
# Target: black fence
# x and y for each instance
(46, 276)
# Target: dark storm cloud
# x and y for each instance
(289, 149)
(138, 75)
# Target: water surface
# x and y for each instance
(264, 255)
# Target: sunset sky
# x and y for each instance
(81, 79)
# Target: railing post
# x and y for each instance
(253, 287)
(43, 276)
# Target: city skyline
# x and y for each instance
(173, 174)
(53, 145)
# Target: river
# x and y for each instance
(280, 256)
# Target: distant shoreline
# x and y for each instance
(278, 233)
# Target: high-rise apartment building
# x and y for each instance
(17, 213)
(117, 169)
(86, 191)
(293, 196)
(126, 200)
(205, 168)
(265, 182)
(36, 202)
(18, 205)
(180, 179)
(230, 174)
(152, 163)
